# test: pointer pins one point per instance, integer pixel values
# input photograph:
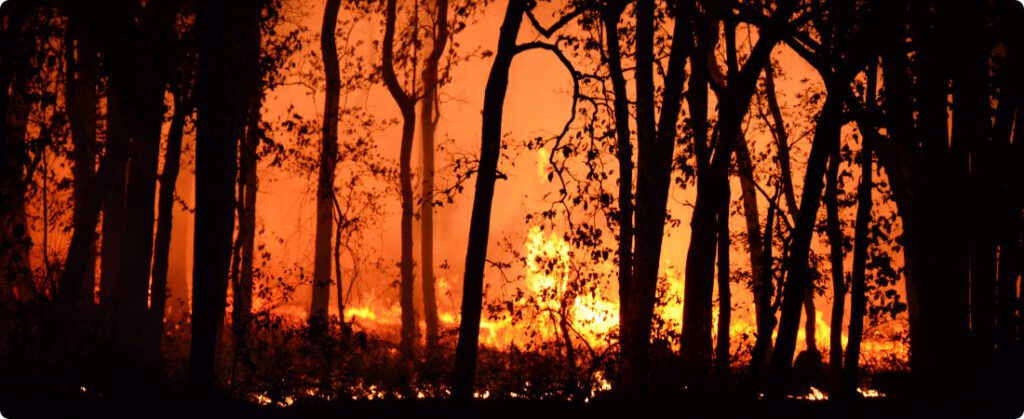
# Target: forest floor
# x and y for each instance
(167, 406)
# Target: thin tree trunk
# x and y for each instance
(479, 227)
(328, 163)
(228, 34)
(407, 105)
(835, 240)
(429, 114)
(858, 286)
(165, 204)
(781, 139)
(656, 138)
(760, 270)
(248, 184)
(796, 288)
(722, 351)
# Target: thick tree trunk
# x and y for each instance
(835, 240)
(81, 82)
(428, 126)
(407, 105)
(624, 155)
(114, 212)
(479, 227)
(328, 163)
(228, 40)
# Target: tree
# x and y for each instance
(328, 162)
(228, 33)
(487, 175)
(712, 174)
(406, 102)
(479, 227)
(428, 126)
(81, 86)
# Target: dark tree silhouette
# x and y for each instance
(479, 227)
(228, 33)
(406, 102)
(328, 162)
(429, 115)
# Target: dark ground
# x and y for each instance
(142, 406)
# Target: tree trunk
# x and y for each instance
(760, 269)
(328, 163)
(479, 227)
(858, 286)
(781, 139)
(248, 184)
(656, 140)
(407, 105)
(722, 351)
(114, 212)
(624, 155)
(165, 204)
(81, 82)
(228, 34)
(428, 126)
(826, 139)
(835, 240)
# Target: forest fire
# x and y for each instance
(225, 208)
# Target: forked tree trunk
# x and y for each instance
(407, 105)
(656, 139)
(798, 283)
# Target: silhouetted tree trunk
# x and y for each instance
(407, 105)
(835, 241)
(734, 101)
(248, 185)
(760, 262)
(228, 41)
(656, 139)
(928, 190)
(479, 227)
(781, 137)
(826, 139)
(858, 283)
(165, 205)
(428, 125)
(328, 163)
(722, 351)
(624, 152)
(112, 227)
(81, 82)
